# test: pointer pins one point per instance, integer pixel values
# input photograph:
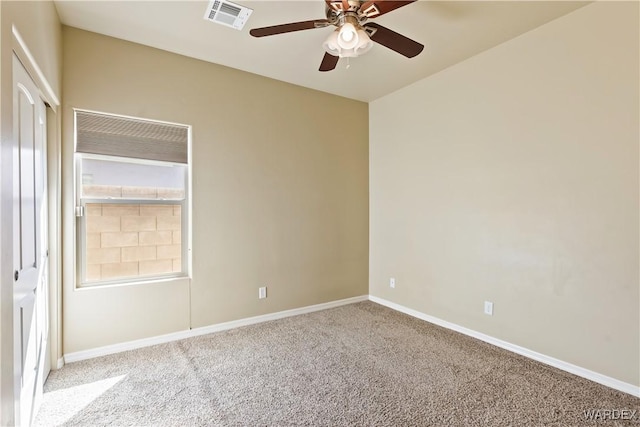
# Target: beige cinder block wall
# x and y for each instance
(279, 200)
(513, 177)
(38, 24)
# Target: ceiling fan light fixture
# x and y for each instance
(333, 46)
(348, 36)
(330, 45)
(364, 43)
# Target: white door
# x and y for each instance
(30, 291)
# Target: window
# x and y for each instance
(132, 199)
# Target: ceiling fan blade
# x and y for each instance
(329, 62)
(373, 9)
(288, 28)
(338, 5)
(394, 41)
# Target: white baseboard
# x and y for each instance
(274, 316)
(146, 342)
(547, 360)
(60, 363)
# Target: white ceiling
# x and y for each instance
(450, 30)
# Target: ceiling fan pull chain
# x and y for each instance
(348, 63)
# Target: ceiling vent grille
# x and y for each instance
(227, 13)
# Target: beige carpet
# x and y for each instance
(361, 364)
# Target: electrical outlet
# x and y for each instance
(262, 292)
(392, 282)
(488, 308)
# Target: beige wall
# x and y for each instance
(513, 177)
(280, 193)
(38, 24)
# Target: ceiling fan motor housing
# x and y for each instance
(367, 8)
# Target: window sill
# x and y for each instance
(131, 282)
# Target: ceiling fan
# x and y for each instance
(354, 35)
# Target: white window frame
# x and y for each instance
(80, 216)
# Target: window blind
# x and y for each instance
(98, 133)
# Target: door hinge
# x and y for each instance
(79, 211)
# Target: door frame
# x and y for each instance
(53, 136)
